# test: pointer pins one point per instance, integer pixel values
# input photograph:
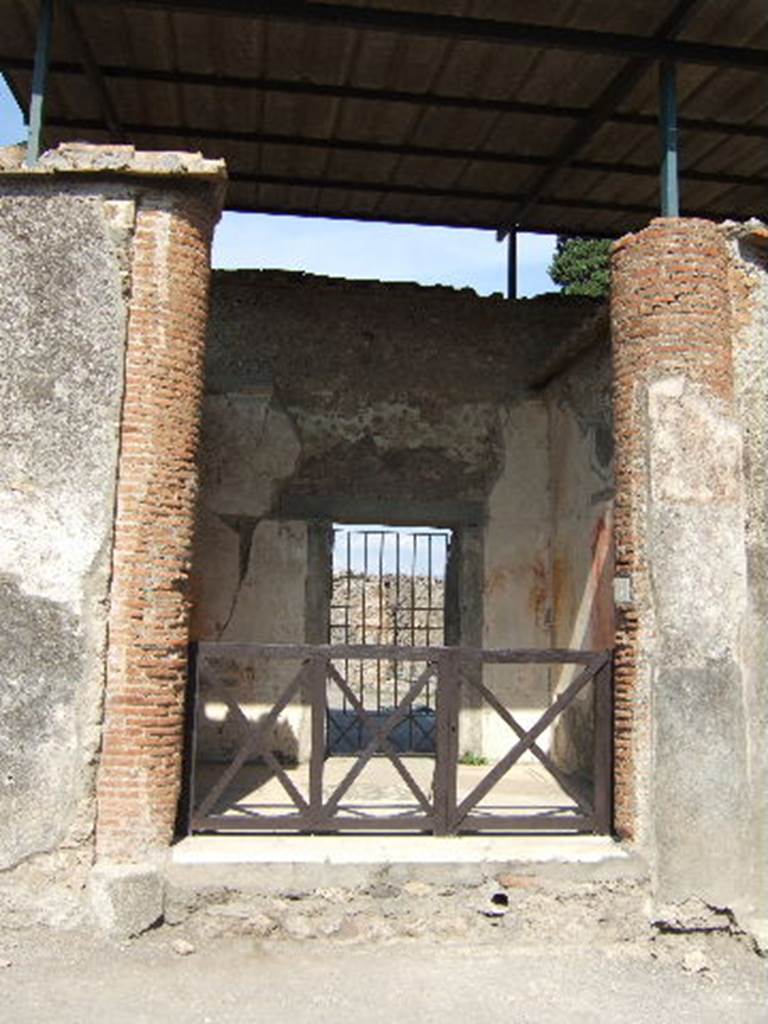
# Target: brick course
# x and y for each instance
(140, 766)
(670, 315)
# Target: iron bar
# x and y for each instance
(396, 637)
(39, 82)
(512, 263)
(392, 600)
(379, 638)
(670, 184)
(468, 29)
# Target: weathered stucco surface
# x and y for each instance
(690, 342)
(62, 331)
(698, 577)
(748, 250)
(517, 605)
(393, 391)
(330, 396)
(68, 275)
(581, 473)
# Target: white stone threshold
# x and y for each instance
(358, 849)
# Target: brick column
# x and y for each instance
(669, 311)
(140, 766)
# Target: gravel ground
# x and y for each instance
(75, 978)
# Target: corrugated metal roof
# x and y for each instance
(426, 111)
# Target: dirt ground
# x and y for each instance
(76, 978)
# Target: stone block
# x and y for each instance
(126, 899)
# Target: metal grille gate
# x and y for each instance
(388, 588)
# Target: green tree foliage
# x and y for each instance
(581, 266)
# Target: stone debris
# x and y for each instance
(696, 961)
(183, 947)
(5, 963)
(510, 881)
(418, 889)
(261, 925)
(299, 926)
(569, 913)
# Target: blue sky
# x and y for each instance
(387, 252)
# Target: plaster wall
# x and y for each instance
(748, 275)
(516, 596)
(63, 253)
(581, 473)
(689, 340)
(382, 403)
(87, 237)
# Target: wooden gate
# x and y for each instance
(438, 808)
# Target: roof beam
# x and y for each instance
(394, 149)
(618, 89)
(433, 192)
(470, 224)
(481, 30)
(352, 92)
(91, 70)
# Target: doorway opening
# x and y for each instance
(388, 588)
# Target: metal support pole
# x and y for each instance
(512, 264)
(39, 77)
(670, 179)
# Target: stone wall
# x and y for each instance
(381, 403)
(689, 516)
(516, 597)
(63, 342)
(90, 242)
(748, 282)
(581, 473)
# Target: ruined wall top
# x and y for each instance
(123, 161)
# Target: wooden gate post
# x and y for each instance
(602, 770)
(447, 742)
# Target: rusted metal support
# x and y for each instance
(39, 80)
(670, 180)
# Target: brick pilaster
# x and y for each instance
(669, 310)
(140, 767)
